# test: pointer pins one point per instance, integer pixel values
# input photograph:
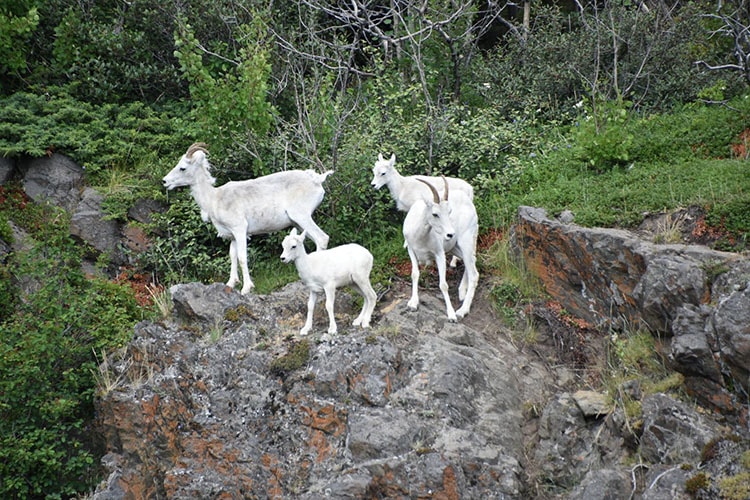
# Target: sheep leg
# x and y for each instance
(464, 285)
(364, 288)
(472, 277)
(310, 308)
(306, 223)
(233, 278)
(241, 249)
(440, 262)
(413, 303)
(330, 291)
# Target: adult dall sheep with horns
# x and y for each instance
(439, 227)
(240, 209)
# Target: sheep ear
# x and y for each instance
(304, 233)
(380, 157)
(393, 158)
(294, 231)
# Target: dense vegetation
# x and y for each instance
(608, 109)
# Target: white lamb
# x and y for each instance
(240, 209)
(327, 270)
(434, 229)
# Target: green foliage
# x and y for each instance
(514, 285)
(114, 52)
(18, 20)
(229, 94)
(566, 57)
(46, 364)
(735, 487)
(733, 215)
(658, 178)
(185, 248)
(602, 136)
(97, 137)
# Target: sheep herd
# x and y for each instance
(434, 227)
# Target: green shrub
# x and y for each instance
(735, 487)
(18, 25)
(184, 247)
(46, 367)
(229, 96)
(602, 136)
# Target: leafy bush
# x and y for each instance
(112, 52)
(552, 67)
(98, 137)
(46, 365)
(602, 137)
(663, 172)
(184, 247)
(18, 25)
(229, 98)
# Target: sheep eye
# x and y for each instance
(182, 169)
(436, 215)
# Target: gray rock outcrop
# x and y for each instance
(56, 179)
(614, 279)
(223, 399)
(417, 407)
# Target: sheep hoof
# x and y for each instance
(452, 317)
(413, 304)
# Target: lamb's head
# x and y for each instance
(293, 245)
(383, 171)
(192, 166)
(439, 212)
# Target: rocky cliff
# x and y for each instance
(696, 297)
(223, 400)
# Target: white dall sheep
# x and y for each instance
(240, 209)
(439, 227)
(405, 190)
(327, 270)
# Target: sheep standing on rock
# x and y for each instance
(326, 270)
(432, 230)
(406, 190)
(239, 209)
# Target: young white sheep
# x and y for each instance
(438, 227)
(240, 209)
(406, 190)
(326, 270)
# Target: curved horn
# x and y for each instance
(197, 146)
(435, 194)
(445, 181)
